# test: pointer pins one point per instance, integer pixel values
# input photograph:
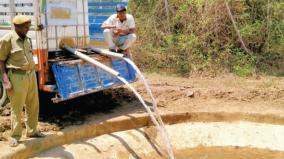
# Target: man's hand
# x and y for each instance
(115, 33)
(122, 32)
(6, 83)
(118, 32)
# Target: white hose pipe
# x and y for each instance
(107, 53)
(96, 63)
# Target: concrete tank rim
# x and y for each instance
(131, 121)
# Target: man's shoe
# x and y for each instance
(113, 49)
(120, 51)
(36, 135)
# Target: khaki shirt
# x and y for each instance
(16, 52)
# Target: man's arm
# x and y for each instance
(132, 30)
(126, 32)
(4, 52)
(108, 26)
(5, 79)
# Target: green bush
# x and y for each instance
(199, 36)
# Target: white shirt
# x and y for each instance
(129, 23)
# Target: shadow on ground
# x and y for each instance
(76, 111)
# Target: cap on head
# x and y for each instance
(120, 8)
(21, 19)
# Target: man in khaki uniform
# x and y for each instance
(19, 78)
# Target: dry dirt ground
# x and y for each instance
(228, 93)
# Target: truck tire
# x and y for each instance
(3, 96)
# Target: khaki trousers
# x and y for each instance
(24, 92)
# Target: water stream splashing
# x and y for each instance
(155, 117)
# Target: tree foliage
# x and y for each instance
(200, 37)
